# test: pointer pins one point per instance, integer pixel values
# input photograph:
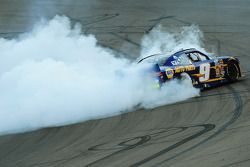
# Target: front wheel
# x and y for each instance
(233, 72)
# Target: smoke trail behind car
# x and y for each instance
(54, 76)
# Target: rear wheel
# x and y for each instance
(233, 72)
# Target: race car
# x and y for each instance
(204, 71)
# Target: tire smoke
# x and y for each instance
(54, 76)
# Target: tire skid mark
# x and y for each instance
(151, 135)
(236, 114)
(126, 39)
(116, 51)
(144, 140)
(226, 95)
(159, 20)
(123, 144)
(204, 97)
(78, 140)
(89, 20)
(41, 164)
(237, 163)
(219, 94)
(80, 154)
(238, 127)
(221, 151)
(207, 128)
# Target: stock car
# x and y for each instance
(203, 70)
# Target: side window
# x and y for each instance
(184, 60)
(202, 57)
(194, 57)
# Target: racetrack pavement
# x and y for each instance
(210, 130)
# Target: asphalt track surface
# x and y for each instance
(211, 130)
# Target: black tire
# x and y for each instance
(233, 71)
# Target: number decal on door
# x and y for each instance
(205, 71)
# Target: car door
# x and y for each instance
(203, 66)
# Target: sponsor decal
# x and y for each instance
(170, 73)
(184, 68)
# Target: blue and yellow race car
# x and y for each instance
(203, 70)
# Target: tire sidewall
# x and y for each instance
(232, 72)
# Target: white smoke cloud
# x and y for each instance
(162, 41)
(56, 76)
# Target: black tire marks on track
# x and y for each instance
(121, 146)
(236, 114)
(135, 142)
(89, 20)
(143, 141)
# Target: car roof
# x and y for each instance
(170, 57)
(184, 51)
